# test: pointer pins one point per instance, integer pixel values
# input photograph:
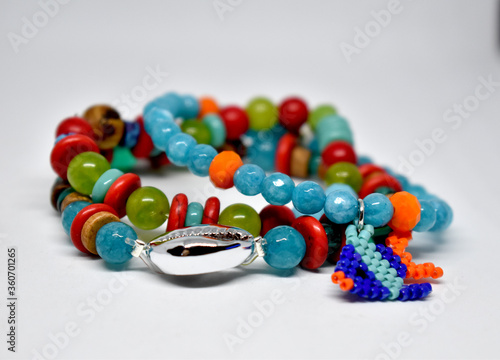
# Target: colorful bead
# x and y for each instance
(261, 148)
(248, 179)
(147, 208)
(163, 132)
(378, 210)
(208, 106)
(299, 162)
(194, 214)
(130, 135)
(277, 189)
(200, 158)
(316, 241)
(198, 130)
(103, 184)
(107, 125)
(262, 114)
(235, 120)
(178, 148)
(71, 198)
(62, 196)
(293, 114)
(345, 173)
(57, 188)
(75, 125)
(444, 215)
(144, 145)
(217, 129)
(69, 214)
(211, 212)
(66, 149)
(406, 212)
(376, 181)
(84, 171)
(308, 197)
(427, 216)
(154, 117)
(338, 151)
(170, 101)
(92, 226)
(123, 159)
(178, 212)
(319, 113)
(341, 207)
(111, 242)
(284, 153)
(241, 216)
(275, 215)
(190, 108)
(284, 247)
(223, 167)
(332, 128)
(119, 192)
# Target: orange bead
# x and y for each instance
(346, 284)
(208, 106)
(338, 276)
(406, 211)
(438, 272)
(223, 167)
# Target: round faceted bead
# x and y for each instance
(275, 215)
(71, 198)
(57, 188)
(178, 212)
(208, 106)
(123, 159)
(223, 167)
(340, 186)
(170, 101)
(427, 216)
(119, 192)
(80, 220)
(241, 216)
(345, 173)
(144, 144)
(261, 113)
(262, 145)
(308, 197)
(235, 120)
(194, 214)
(197, 129)
(341, 207)
(107, 125)
(69, 214)
(444, 215)
(211, 212)
(284, 150)
(75, 125)
(319, 113)
(163, 132)
(316, 241)
(111, 242)
(338, 151)
(190, 107)
(66, 149)
(248, 179)
(92, 226)
(200, 158)
(84, 171)
(378, 210)
(156, 116)
(103, 184)
(406, 212)
(130, 135)
(284, 247)
(147, 208)
(293, 114)
(277, 189)
(216, 128)
(178, 148)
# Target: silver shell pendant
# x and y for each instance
(198, 250)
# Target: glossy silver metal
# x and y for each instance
(199, 250)
(361, 218)
(258, 243)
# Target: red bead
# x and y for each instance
(316, 241)
(371, 184)
(275, 215)
(236, 121)
(284, 153)
(293, 114)
(119, 192)
(368, 169)
(75, 125)
(80, 220)
(178, 210)
(66, 149)
(338, 151)
(211, 211)
(144, 144)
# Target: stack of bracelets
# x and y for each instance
(362, 222)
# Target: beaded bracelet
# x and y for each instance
(362, 222)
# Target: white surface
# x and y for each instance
(395, 91)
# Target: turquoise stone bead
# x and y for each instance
(170, 101)
(314, 163)
(103, 184)
(341, 207)
(200, 158)
(402, 180)
(194, 214)
(378, 210)
(217, 129)
(248, 179)
(277, 189)
(444, 215)
(284, 247)
(69, 214)
(163, 132)
(417, 190)
(308, 197)
(190, 108)
(427, 216)
(156, 116)
(62, 195)
(317, 215)
(178, 148)
(261, 148)
(332, 128)
(364, 160)
(111, 242)
(340, 186)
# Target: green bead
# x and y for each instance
(198, 130)
(147, 208)
(262, 114)
(345, 173)
(85, 169)
(123, 159)
(318, 113)
(241, 216)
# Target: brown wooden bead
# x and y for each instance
(92, 226)
(299, 162)
(59, 186)
(71, 198)
(107, 125)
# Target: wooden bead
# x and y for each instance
(71, 198)
(299, 162)
(59, 186)
(92, 226)
(107, 125)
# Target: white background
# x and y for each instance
(395, 91)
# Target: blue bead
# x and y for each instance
(284, 247)
(111, 242)
(190, 108)
(62, 136)
(417, 190)
(402, 180)
(364, 160)
(340, 186)
(314, 163)
(163, 132)
(378, 210)
(427, 216)
(316, 215)
(277, 189)
(130, 134)
(444, 215)
(248, 179)
(308, 197)
(103, 184)
(178, 148)
(217, 129)
(200, 158)
(194, 214)
(261, 148)
(69, 214)
(314, 146)
(341, 207)
(170, 101)
(155, 116)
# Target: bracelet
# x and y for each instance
(362, 222)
